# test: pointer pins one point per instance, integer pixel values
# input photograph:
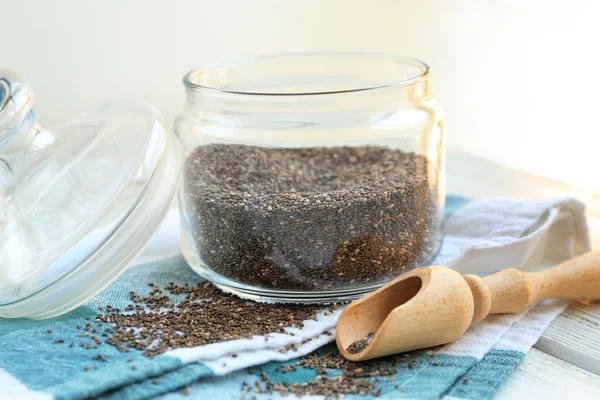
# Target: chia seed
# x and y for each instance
(205, 315)
(355, 378)
(310, 218)
(361, 344)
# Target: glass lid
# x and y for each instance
(78, 201)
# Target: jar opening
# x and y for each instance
(301, 74)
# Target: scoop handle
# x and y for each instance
(512, 290)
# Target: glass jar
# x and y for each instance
(310, 177)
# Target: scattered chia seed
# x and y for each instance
(310, 218)
(356, 378)
(205, 315)
(361, 344)
(99, 357)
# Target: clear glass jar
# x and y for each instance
(310, 177)
(78, 201)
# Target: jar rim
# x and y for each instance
(190, 80)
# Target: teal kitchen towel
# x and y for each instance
(62, 358)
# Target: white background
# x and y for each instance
(518, 80)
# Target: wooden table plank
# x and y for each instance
(574, 336)
(542, 376)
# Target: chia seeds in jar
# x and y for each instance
(310, 218)
(282, 204)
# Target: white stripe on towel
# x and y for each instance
(13, 389)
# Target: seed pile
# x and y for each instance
(154, 324)
(356, 378)
(206, 315)
(331, 388)
(361, 344)
(310, 218)
(385, 366)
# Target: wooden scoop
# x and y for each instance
(430, 306)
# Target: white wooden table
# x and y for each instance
(565, 363)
